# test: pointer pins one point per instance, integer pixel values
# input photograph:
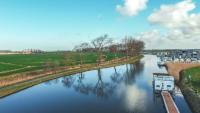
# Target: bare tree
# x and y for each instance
(140, 46)
(99, 44)
(132, 46)
(125, 46)
(69, 58)
(81, 48)
(113, 49)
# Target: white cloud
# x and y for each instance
(183, 26)
(177, 16)
(171, 40)
(131, 7)
(154, 40)
(134, 97)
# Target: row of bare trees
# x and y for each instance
(128, 46)
(131, 46)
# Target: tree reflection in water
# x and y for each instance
(55, 81)
(132, 71)
(98, 89)
(103, 89)
(116, 77)
(68, 81)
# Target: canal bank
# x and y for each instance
(192, 98)
(13, 88)
(178, 71)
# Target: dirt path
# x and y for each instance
(16, 69)
(175, 68)
(11, 64)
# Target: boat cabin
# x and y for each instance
(163, 82)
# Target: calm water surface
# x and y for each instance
(121, 89)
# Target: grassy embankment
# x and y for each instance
(190, 86)
(36, 62)
(194, 83)
(12, 64)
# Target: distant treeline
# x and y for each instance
(5, 51)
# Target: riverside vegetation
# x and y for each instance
(190, 86)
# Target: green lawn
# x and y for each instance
(19, 63)
(30, 60)
(7, 67)
(195, 76)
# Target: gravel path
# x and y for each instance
(175, 68)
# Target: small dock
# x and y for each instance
(169, 102)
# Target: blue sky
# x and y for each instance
(60, 24)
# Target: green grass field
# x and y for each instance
(10, 64)
(195, 76)
(7, 67)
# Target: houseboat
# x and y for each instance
(163, 82)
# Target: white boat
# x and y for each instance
(161, 63)
(181, 60)
(194, 59)
(176, 60)
(163, 83)
(169, 59)
(188, 60)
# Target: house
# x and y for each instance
(32, 51)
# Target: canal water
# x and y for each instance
(121, 89)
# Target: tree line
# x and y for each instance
(128, 46)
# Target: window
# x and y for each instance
(168, 85)
(157, 85)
